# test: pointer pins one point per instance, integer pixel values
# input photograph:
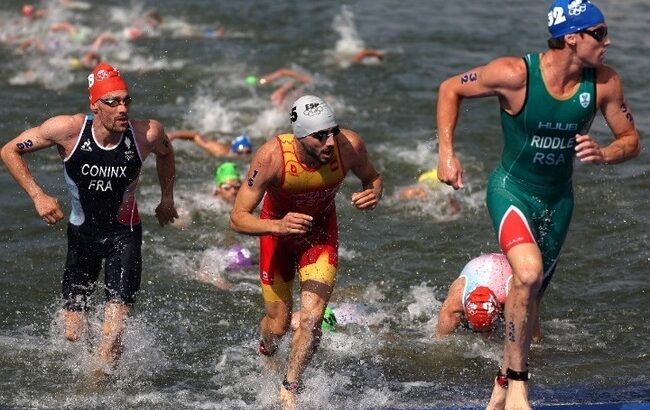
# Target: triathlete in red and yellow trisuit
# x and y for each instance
(309, 191)
(298, 176)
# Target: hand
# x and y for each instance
(451, 172)
(48, 208)
(294, 223)
(166, 212)
(588, 150)
(365, 200)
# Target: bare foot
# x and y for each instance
(517, 396)
(74, 324)
(498, 398)
(287, 399)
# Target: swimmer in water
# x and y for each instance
(425, 187)
(238, 147)
(476, 298)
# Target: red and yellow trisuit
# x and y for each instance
(313, 255)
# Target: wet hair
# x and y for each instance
(556, 43)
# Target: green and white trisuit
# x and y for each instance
(530, 193)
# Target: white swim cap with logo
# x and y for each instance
(310, 114)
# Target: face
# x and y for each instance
(112, 110)
(591, 45)
(320, 144)
(228, 190)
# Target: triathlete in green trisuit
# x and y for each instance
(547, 102)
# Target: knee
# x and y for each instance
(278, 325)
(310, 321)
(529, 278)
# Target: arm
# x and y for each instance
(182, 134)
(285, 72)
(101, 39)
(503, 77)
(278, 96)
(451, 311)
(618, 114)
(265, 170)
(54, 131)
(158, 143)
(365, 53)
(362, 167)
(214, 148)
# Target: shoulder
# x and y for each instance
(351, 138)
(268, 160)
(151, 129)
(62, 126)
(609, 87)
(270, 148)
(150, 134)
(506, 70)
(66, 121)
(607, 76)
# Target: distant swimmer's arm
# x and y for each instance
(285, 72)
(54, 131)
(265, 170)
(214, 148)
(451, 311)
(183, 134)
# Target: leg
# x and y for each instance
(122, 274)
(110, 345)
(314, 297)
(537, 328)
(317, 279)
(75, 323)
(275, 324)
(527, 268)
(277, 271)
(82, 267)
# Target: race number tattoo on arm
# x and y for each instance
(25, 144)
(468, 78)
(252, 179)
(511, 331)
(627, 113)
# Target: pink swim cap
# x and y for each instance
(239, 257)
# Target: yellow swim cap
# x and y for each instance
(430, 178)
(75, 64)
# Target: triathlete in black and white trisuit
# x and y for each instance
(104, 221)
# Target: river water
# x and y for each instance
(191, 345)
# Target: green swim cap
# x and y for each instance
(226, 172)
(251, 80)
(329, 320)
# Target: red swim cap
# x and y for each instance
(482, 309)
(103, 80)
(28, 9)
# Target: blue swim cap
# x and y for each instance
(571, 16)
(241, 145)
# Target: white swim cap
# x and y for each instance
(310, 114)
